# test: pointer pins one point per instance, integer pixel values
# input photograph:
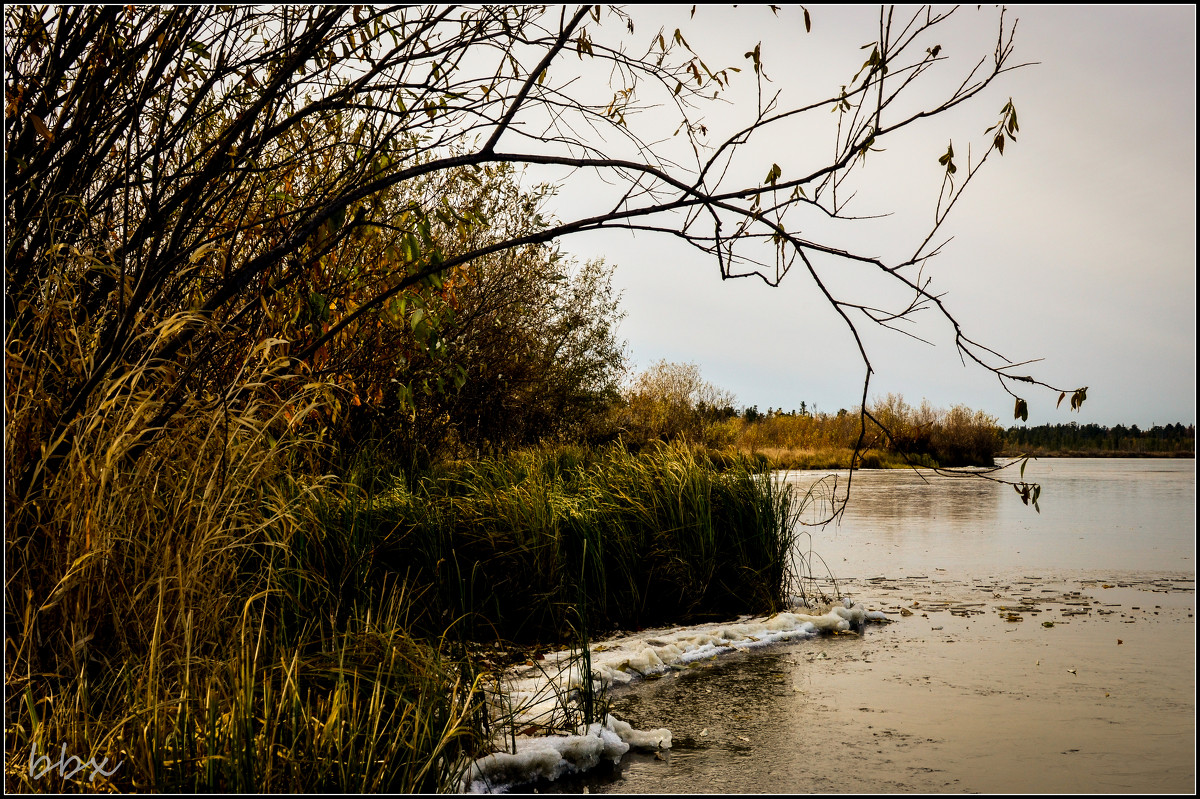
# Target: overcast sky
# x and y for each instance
(1078, 246)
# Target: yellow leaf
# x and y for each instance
(41, 127)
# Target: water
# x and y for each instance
(1106, 514)
(1089, 687)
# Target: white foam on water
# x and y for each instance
(550, 756)
(535, 697)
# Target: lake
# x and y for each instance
(1096, 514)
(1030, 652)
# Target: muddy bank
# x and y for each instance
(1033, 683)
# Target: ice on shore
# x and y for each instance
(624, 659)
(549, 757)
(540, 697)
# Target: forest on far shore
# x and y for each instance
(1093, 440)
(910, 435)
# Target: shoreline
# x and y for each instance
(874, 460)
(1078, 677)
(1099, 454)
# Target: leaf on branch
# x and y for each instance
(1022, 410)
(842, 103)
(947, 160)
(773, 174)
(202, 251)
(41, 128)
(584, 44)
(199, 49)
(755, 54)
(1061, 397)
(866, 146)
(1007, 124)
(1077, 398)
(871, 62)
(807, 21)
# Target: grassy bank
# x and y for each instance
(214, 621)
(516, 545)
(164, 618)
(838, 458)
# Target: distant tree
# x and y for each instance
(670, 401)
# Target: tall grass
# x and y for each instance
(207, 610)
(162, 612)
(840, 458)
(654, 538)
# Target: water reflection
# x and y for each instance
(1095, 514)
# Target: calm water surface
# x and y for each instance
(1096, 514)
(1095, 692)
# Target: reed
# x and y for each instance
(165, 618)
(668, 538)
(839, 458)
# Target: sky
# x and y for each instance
(1077, 247)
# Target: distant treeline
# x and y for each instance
(925, 435)
(671, 402)
(1094, 439)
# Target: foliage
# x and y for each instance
(924, 436)
(536, 340)
(165, 617)
(672, 402)
(301, 176)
